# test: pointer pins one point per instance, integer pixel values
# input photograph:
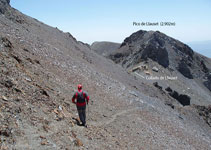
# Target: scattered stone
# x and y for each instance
(147, 73)
(4, 147)
(18, 90)
(71, 139)
(46, 128)
(133, 93)
(169, 104)
(168, 89)
(60, 108)
(26, 50)
(37, 61)
(17, 58)
(157, 86)
(5, 98)
(8, 83)
(30, 60)
(205, 112)
(44, 92)
(78, 142)
(28, 79)
(44, 142)
(42, 137)
(5, 132)
(6, 42)
(155, 69)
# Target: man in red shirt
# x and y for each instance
(82, 99)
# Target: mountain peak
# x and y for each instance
(158, 47)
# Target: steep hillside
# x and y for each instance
(104, 48)
(40, 68)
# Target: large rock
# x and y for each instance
(184, 99)
(181, 98)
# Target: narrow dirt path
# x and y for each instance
(112, 118)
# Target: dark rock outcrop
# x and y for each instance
(181, 98)
(157, 85)
(4, 4)
(208, 82)
(174, 94)
(168, 89)
(158, 54)
(184, 70)
(205, 112)
(184, 99)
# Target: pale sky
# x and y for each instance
(112, 20)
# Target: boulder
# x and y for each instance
(168, 89)
(184, 99)
(155, 69)
(157, 85)
(181, 98)
(174, 94)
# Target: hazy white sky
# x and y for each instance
(112, 20)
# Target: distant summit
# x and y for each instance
(166, 51)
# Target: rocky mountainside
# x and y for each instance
(40, 67)
(105, 48)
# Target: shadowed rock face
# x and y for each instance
(4, 5)
(208, 82)
(184, 69)
(158, 54)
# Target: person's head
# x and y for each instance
(79, 87)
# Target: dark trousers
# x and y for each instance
(82, 113)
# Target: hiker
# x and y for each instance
(82, 99)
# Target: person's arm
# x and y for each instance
(87, 98)
(73, 98)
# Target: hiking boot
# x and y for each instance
(84, 125)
